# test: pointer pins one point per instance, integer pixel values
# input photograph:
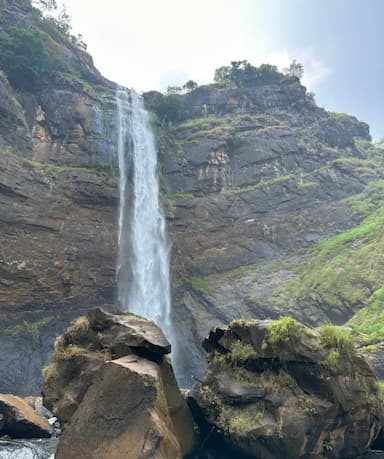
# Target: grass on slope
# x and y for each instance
(347, 268)
(369, 321)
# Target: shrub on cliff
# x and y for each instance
(168, 108)
(26, 57)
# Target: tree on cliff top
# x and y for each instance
(46, 5)
(295, 69)
(242, 74)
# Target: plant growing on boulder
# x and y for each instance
(284, 331)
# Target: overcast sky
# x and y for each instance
(150, 44)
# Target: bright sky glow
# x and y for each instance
(150, 44)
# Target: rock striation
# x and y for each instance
(113, 388)
(278, 389)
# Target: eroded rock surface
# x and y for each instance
(19, 420)
(114, 390)
(278, 389)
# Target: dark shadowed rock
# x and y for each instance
(20, 420)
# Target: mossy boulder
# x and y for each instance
(301, 392)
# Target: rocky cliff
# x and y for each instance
(58, 200)
(253, 186)
(253, 179)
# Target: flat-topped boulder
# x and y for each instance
(121, 332)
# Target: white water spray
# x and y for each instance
(143, 259)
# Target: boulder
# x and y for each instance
(19, 420)
(113, 389)
(278, 389)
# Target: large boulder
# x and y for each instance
(278, 389)
(19, 420)
(113, 388)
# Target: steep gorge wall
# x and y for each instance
(252, 186)
(251, 178)
(58, 200)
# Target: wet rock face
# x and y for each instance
(281, 390)
(115, 392)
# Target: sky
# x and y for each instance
(151, 44)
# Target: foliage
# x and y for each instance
(339, 338)
(283, 331)
(189, 86)
(295, 69)
(168, 108)
(46, 5)
(242, 74)
(25, 56)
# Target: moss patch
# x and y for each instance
(31, 328)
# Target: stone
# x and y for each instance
(111, 384)
(278, 389)
(20, 420)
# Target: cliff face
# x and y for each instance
(253, 184)
(58, 200)
(252, 179)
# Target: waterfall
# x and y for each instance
(143, 258)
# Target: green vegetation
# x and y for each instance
(339, 116)
(200, 124)
(241, 422)
(242, 74)
(200, 284)
(241, 352)
(284, 331)
(345, 269)
(379, 389)
(369, 321)
(31, 328)
(177, 196)
(27, 55)
(339, 339)
(167, 107)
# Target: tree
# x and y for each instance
(295, 69)
(46, 5)
(242, 74)
(190, 85)
(168, 108)
(174, 90)
(63, 20)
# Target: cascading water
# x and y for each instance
(143, 259)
